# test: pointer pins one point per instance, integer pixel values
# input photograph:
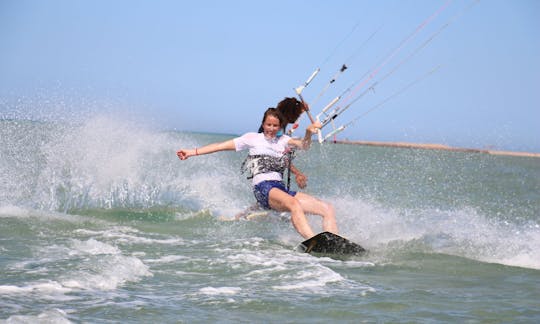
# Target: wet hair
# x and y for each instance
(291, 108)
(275, 113)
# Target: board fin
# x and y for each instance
(330, 243)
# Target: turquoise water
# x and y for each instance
(100, 222)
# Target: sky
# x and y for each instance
(461, 73)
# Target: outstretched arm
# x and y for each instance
(183, 154)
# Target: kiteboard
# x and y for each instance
(330, 243)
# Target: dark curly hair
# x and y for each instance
(291, 109)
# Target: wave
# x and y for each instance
(102, 163)
(54, 315)
(462, 232)
(118, 170)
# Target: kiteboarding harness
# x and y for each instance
(262, 163)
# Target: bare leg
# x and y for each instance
(245, 213)
(312, 205)
(299, 205)
(282, 201)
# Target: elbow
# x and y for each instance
(306, 144)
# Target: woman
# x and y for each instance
(267, 153)
(291, 109)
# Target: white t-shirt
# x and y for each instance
(259, 145)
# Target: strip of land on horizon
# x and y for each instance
(437, 147)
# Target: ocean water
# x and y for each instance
(101, 223)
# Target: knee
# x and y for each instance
(330, 211)
(291, 204)
(294, 205)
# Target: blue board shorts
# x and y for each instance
(262, 189)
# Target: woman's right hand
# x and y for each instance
(183, 154)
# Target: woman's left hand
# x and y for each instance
(301, 180)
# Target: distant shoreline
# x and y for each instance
(440, 147)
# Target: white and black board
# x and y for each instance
(330, 243)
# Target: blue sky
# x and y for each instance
(215, 66)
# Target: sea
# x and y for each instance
(100, 222)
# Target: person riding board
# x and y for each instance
(291, 109)
(268, 150)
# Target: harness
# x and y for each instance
(256, 164)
